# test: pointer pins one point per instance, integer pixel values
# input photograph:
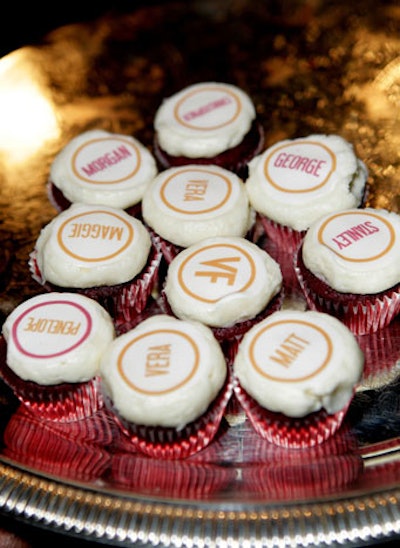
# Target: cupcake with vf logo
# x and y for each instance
(226, 283)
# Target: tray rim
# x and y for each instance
(105, 515)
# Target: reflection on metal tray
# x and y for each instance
(310, 67)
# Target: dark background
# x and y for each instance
(25, 23)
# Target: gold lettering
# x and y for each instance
(96, 231)
(289, 349)
(221, 269)
(158, 360)
(195, 190)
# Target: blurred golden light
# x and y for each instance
(27, 116)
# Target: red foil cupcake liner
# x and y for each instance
(36, 443)
(285, 237)
(292, 433)
(168, 250)
(362, 314)
(62, 402)
(122, 301)
(96, 429)
(285, 259)
(170, 443)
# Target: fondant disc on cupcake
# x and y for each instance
(222, 281)
(101, 168)
(186, 204)
(204, 119)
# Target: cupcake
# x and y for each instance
(208, 123)
(184, 205)
(349, 266)
(101, 168)
(294, 182)
(99, 251)
(51, 350)
(227, 283)
(295, 375)
(166, 384)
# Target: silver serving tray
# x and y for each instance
(311, 67)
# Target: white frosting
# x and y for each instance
(298, 362)
(57, 337)
(355, 251)
(187, 204)
(203, 120)
(103, 168)
(222, 281)
(296, 181)
(164, 372)
(88, 246)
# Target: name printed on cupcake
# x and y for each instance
(51, 329)
(189, 192)
(106, 161)
(109, 233)
(215, 271)
(207, 108)
(357, 236)
(299, 167)
(158, 360)
(290, 350)
(151, 363)
(52, 326)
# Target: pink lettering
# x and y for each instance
(354, 234)
(108, 159)
(312, 166)
(205, 109)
